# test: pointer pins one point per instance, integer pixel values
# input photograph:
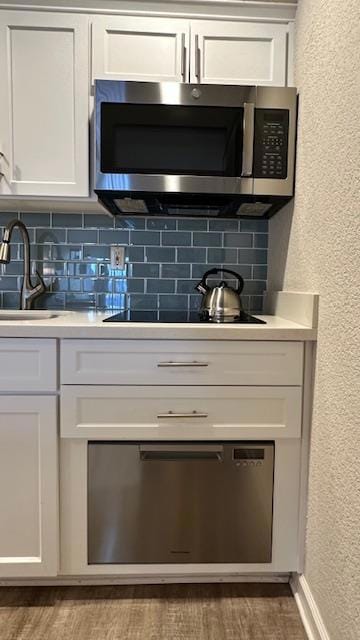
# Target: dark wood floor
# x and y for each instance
(165, 612)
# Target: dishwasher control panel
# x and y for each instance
(249, 457)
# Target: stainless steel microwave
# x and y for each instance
(190, 149)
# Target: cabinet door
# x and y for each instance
(144, 49)
(44, 106)
(28, 486)
(238, 53)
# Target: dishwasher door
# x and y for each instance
(180, 502)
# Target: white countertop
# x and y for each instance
(89, 325)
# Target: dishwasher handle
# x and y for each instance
(172, 363)
(180, 452)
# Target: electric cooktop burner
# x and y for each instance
(177, 316)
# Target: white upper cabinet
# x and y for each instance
(207, 51)
(143, 49)
(238, 52)
(45, 80)
(44, 106)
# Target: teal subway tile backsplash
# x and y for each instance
(164, 260)
(66, 221)
(239, 239)
(260, 240)
(145, 238)
(192, 254)
(222, 224)
(176, 238)
(159, 224)
(175, 271)
(37, 220)
(207, 239)
(222, 256)
(192, 224)
(95, 221)
(254, 226)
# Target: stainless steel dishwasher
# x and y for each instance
(180, 502)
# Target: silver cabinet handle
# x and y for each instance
(190, 414)
(248, 139)
(197, 57)
(183, 364)
(183, 57)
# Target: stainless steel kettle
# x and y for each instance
(221, 303)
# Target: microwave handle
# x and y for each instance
(183, 58)
(248, 139)
(197, 58)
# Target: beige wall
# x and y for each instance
(316, 247)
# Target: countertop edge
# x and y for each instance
(286, 331)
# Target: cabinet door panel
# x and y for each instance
(27, 365)
(144, 49)
(238, 53)
(44, 109)
(28, 486)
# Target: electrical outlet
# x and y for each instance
(117, 256)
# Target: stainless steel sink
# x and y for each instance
(6, 316)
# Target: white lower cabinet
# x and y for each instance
(192, 408)
(29, 522)
(162, 391)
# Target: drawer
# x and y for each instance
(187, 362)
(27, 365)
(167, 413)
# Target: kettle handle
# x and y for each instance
(202, 286)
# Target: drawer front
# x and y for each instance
(164, 362)
(170, 413)
(27, 365)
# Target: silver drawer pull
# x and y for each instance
(183, 364)
(191, 414)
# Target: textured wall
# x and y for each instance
(317, 248)
(165, 259)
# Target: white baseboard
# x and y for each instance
(308, 609)
(108, 580)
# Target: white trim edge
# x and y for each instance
(308, 609)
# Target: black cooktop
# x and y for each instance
(167, 315)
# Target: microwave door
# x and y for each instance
(192, 147)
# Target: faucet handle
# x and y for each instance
(41, 286)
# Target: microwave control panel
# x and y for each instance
(271, 143)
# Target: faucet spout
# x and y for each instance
(29, 291)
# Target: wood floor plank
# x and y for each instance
(150, 612)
